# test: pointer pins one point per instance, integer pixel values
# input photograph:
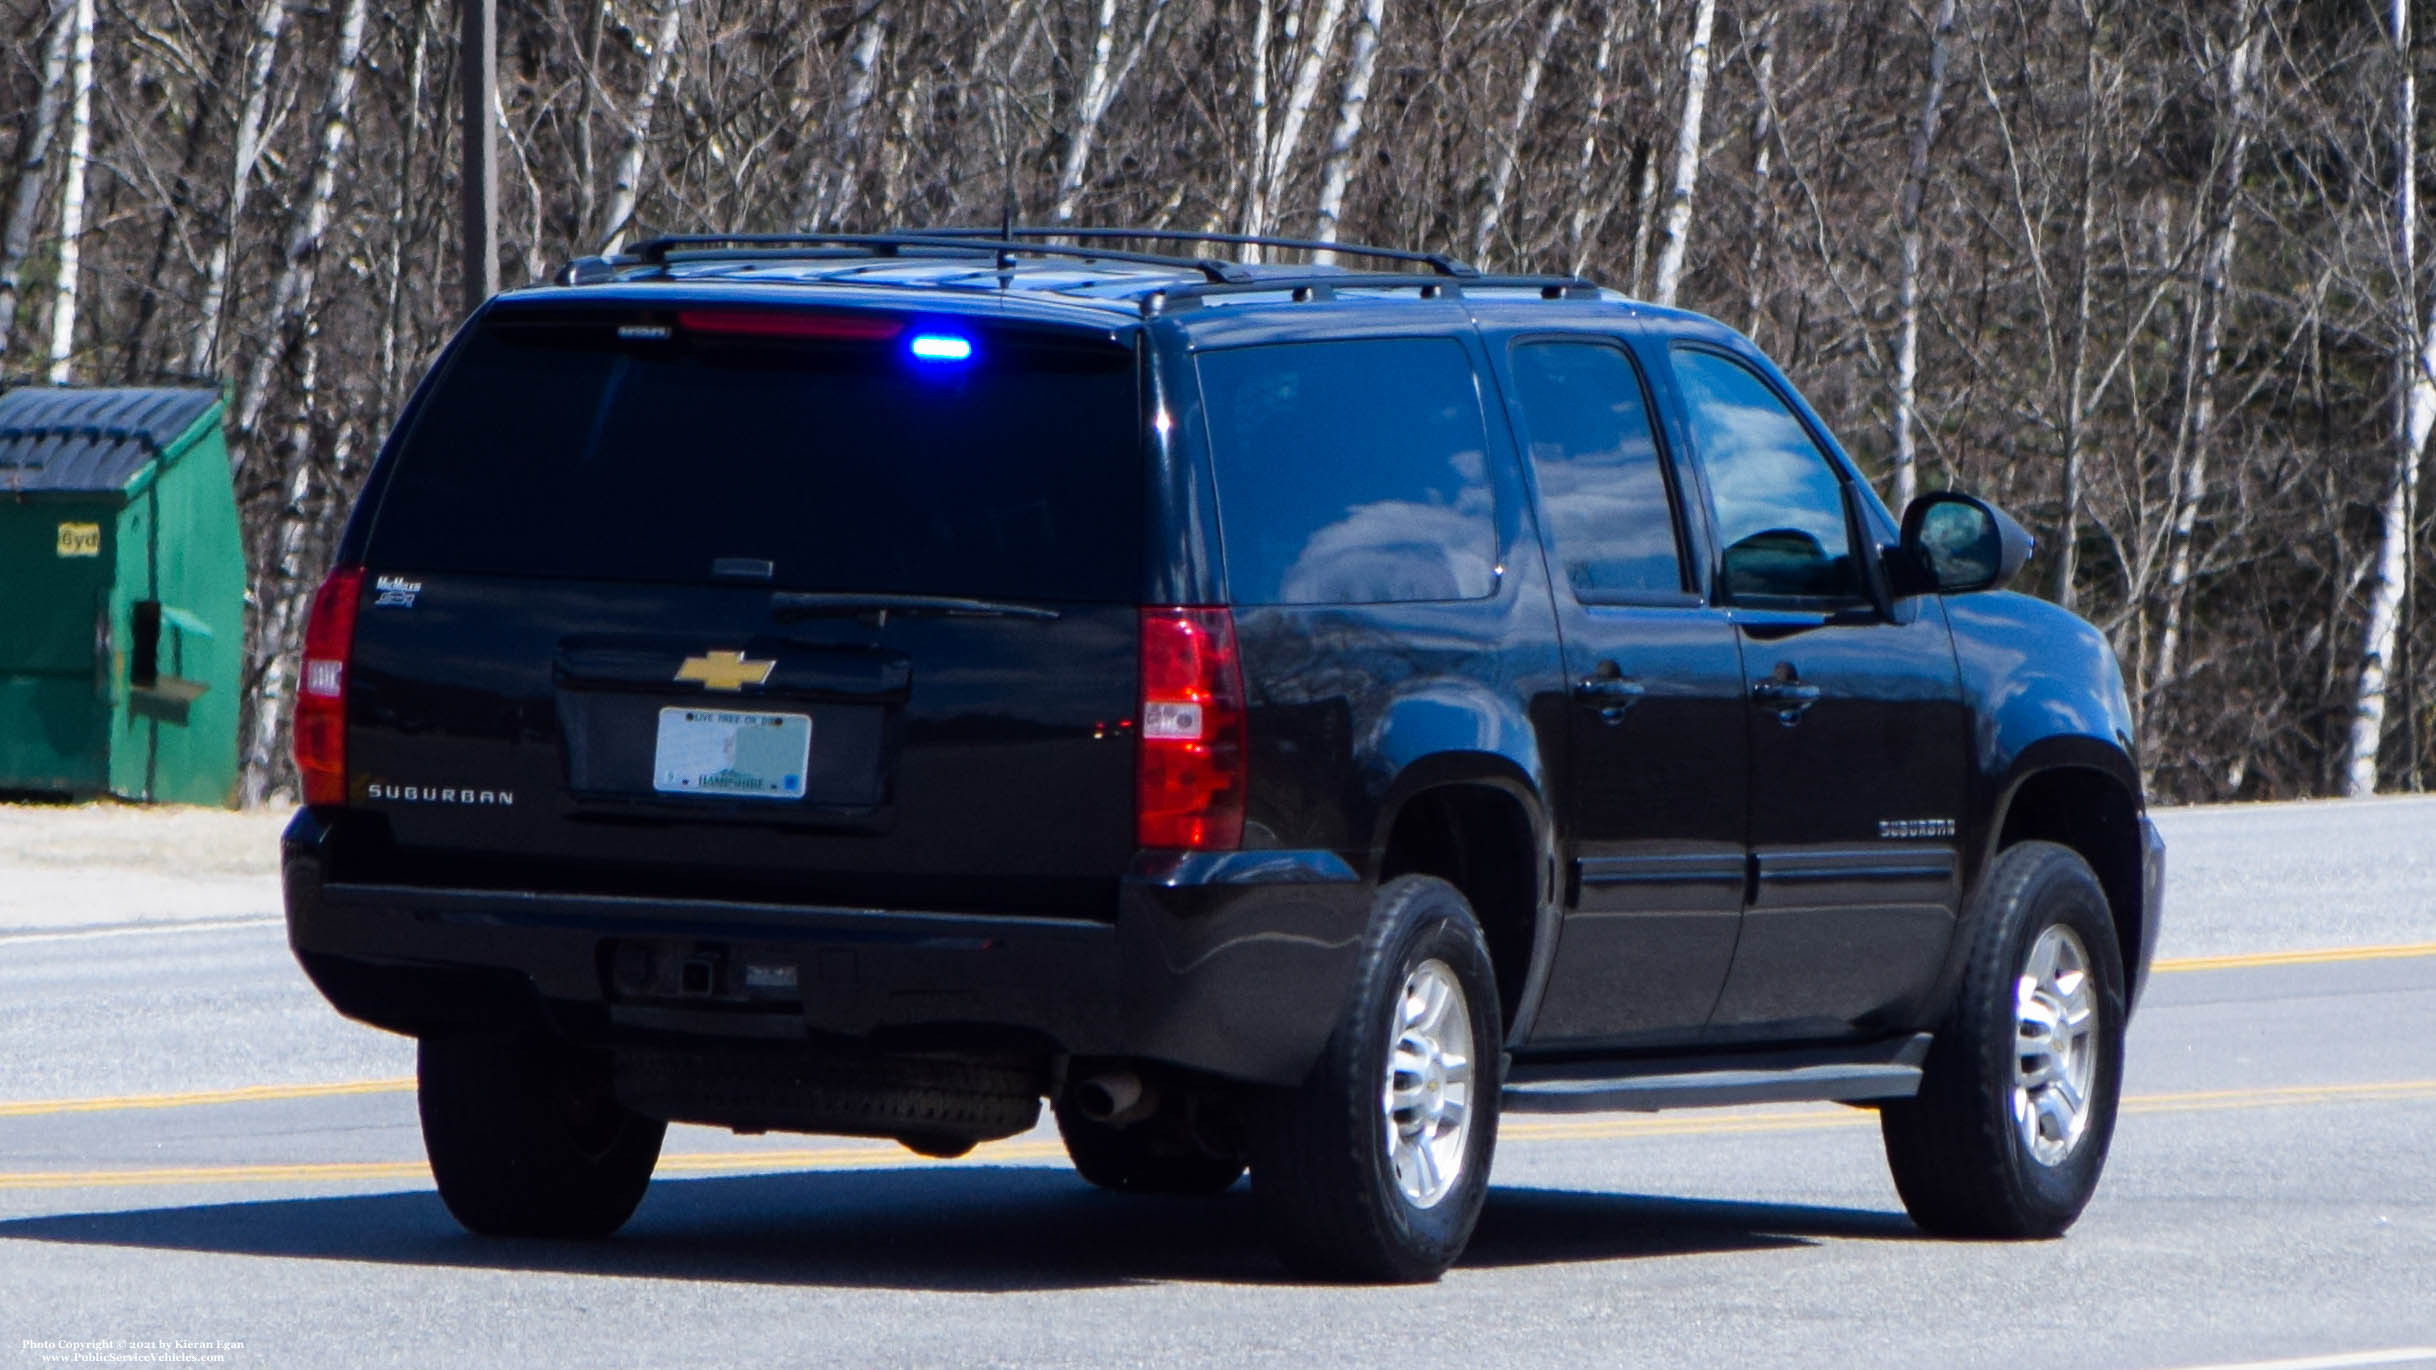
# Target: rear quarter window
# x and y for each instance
(1351, 472)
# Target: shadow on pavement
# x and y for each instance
(980, 1229)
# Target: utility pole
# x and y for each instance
(478, 56)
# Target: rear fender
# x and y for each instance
(1453, 735)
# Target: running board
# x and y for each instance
(1887, 1069)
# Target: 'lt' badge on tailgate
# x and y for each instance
(729, 671)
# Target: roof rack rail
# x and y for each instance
(1437, 262)
(655, 252)
(1325, 285)
(1003, 245)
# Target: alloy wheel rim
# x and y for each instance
(2055, 1029)
(1428, 1095)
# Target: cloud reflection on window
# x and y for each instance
(1780, 507)
(1600, 487)
(1351, 472)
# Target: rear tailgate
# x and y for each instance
(720, 603)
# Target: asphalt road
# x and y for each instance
(193, 1148)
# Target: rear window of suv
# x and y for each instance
(558, 448)
(1351, 472)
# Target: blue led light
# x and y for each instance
(940, 347)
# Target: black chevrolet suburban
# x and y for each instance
(1285, 716)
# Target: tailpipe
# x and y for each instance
(1115, 1099)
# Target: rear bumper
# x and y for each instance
(1234, 964)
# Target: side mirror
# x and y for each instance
(1955, 543)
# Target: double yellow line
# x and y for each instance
(114, 1103)
(2326, 956)
(1028, 1152)
(1023, 1152)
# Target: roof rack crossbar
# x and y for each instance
(1437, 262)
(656, 251)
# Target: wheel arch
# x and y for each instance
(1476, 820)
(2084, 803)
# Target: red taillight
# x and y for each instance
(790, 323)
(1189, 784)
(321, 688)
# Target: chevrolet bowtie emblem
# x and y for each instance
(725, 670)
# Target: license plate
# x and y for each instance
(722, 752)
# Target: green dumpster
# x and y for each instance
(122, 595)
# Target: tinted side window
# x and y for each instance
(1351, 472)
(1779, 503)
(1601, 490)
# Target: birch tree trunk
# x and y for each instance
(72, 199)
(2390, 572)
(1590, 209)
(282, 584)
(270, 20)
(34, 167)
(393, 321)
(2206, 357)
(1905, 459)
(1501, 173)
(280, 616)
(1763, 141)
(1101, 87)
(1353, 102)
(626, 188)
(1645, 217)
(1644, 157)
(829, 181)
(1676, 235)
(2061, 572)
(1256, 190)
(1301, 93)
(179, 211)
(292, 297)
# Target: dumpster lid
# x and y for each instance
(91, 440)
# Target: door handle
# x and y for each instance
(1613, 693)
(1789, 698)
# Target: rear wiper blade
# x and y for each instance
(794, 604)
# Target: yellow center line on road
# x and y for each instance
(28, 1108)
(248, 1094)
(881, 1155)
(2324, 956)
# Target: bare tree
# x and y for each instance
(72, 198)
(1504, 156)
(1353, 101)
(1590, 209)
(623, 191)
(828, 187)
(2138, 283)
(2204, 356)
(1273, 152)
(1102, 83)
(283, 585)
(1762, 46)
(1907, 224)
(1676, 235)
(2415, 414)
(270, 21)
(34, 164)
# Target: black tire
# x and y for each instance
(1150, 1157)
(1326, 1188)
(526, 1140)
(1963, 1165)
